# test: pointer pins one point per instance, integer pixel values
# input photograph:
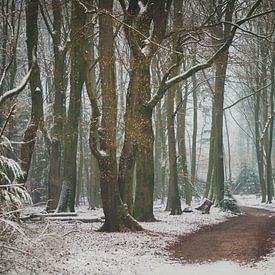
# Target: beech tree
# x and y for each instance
(77, 77)
(37, 115)
(60, 46)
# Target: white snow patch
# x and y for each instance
(80, 249)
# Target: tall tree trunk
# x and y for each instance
(181, 128)
(220, 66)
(157, 153)
(195, 129)
(117, 216)
(94, 185)
(259, 148)
(37, 117)
(174, 201)
(54, 177)
(143, 207)
(174, 197)
(269, 179)
(67, 195)
(221, 32)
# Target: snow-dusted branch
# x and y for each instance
(5, 72)
(267, 126)
(128, 26)
(166, 85)
(17, 89)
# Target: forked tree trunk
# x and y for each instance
(117, 217)
(138, 140)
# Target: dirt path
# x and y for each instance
(244, 238)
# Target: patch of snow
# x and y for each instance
(77, 248)
(254, 201)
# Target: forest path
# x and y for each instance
(245, 238)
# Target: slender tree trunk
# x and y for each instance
(259, 149)
(195, 128)
(269, 179)
(181, 128)
(209, 179)
(80, 161)
(164, 155)
(157, 153)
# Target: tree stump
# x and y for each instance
(205, 206)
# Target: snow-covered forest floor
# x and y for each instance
(58, 247)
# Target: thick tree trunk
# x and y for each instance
(117, 216)
(138, 136)
(37, 116)
(173, 196)
(67, 196)
(221, 65)
(94, 185)
(54, 177)
(143, 207)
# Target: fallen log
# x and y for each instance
(71, 219)
(62, 216)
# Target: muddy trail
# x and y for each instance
(245, 238)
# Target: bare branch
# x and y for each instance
(46, 20)
(208, 63)
(7, 120)
(245, 97)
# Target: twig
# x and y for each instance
(247, 96)
(73, 231)
(21, 251)
(7, 120)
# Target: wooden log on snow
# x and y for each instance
(205, 206)
(62, 216)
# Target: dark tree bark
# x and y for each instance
(193, 171)
(67, 196)
(216, 145)
(103, 138)
(139, 139)
(54, 177)
(181, 126)
(37, 117)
